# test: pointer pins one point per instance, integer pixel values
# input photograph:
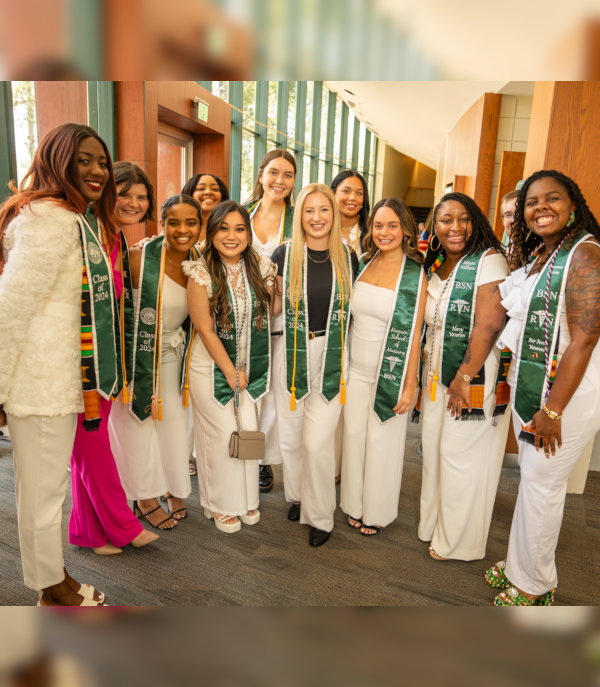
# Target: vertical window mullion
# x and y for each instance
(283, 92)
(366, 170)
(8, 155)
(260, 129)
(343, 137)
(329, 144)
(355, 140)
(315, 137)
(101, 112)
(236, 90)
(300, 132)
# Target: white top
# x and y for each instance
(198, 271)
(265, 249)
(371, 308)
(174, 314)
(494, 268)
(40, 313)
(354, 242)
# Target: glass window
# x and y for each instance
(338, 127)
(25, 122)
(291, 123)
(272, 115)
(221, 89)
(247, 180)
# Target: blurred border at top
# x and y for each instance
(299, 39)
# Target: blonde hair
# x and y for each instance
(338, 252)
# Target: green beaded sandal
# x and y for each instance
(496, 577)
(512, 597)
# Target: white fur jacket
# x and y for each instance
(40, 314)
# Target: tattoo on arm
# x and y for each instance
(467, 359)
(493, 288)
(583, 290)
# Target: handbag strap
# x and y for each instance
(239, 329)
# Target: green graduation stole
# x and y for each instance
(101, 373)
(285, 227)
(146, 333)
(398, 337)
(457, 327)
(296, 336)
(535, 364)
(258, 348)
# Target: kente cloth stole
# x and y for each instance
(533, 379)
(398, 337)
(101, 373)
(296, 334)
(258, 349)
(287, 218)
(146, 329)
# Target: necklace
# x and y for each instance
(317, 262)
(433, 377)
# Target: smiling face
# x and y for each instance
(350, 197)
(231, 239)
(547, 208)
(132, 205)
(182, 227)
(277, 179)
(91, 170)
(453, 227)
(387, 230)
(508, 214)
(208, 194)
(317, 217)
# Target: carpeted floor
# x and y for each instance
(271, 564)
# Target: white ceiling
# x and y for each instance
(414, 117)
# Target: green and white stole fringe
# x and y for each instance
(398, 337)
(296, 336)
(287, 218)
(535, 364)
(101, 373)
(146, 328)
(258, 347)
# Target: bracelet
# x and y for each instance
(551, 413)
(464, 376)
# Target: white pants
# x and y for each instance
(462, 460)
(530, 563)
(373, 457)
(152, 457)
(42, 449)
(227, 485)
(307, 442)
(268, 425)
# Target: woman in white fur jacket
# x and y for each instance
(45, 342)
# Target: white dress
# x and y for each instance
(461, 459)
(152, 456)
(530, 563)
(268, 419)
(373, 451)
(227, 485)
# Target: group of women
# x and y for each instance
(262, 317)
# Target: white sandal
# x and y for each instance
(221, 521)
(251, 517)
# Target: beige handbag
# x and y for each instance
(246, 444)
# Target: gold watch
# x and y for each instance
(551, 413)
(464, 376)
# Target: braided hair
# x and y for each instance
(482, 236)
(523, 241)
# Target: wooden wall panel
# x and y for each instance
(468, 161)
(541, 115)
(511, 172)
(59, 102)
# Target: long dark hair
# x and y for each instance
(258, 191)
(523, 241)
(53, 175)
(127, 174)
(482, 237)
(190, 185)
(363, 215)
(218, 272)
(407, 223)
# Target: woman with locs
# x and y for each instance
(463, 379)
(553, 302)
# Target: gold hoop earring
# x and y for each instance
(433, 236)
